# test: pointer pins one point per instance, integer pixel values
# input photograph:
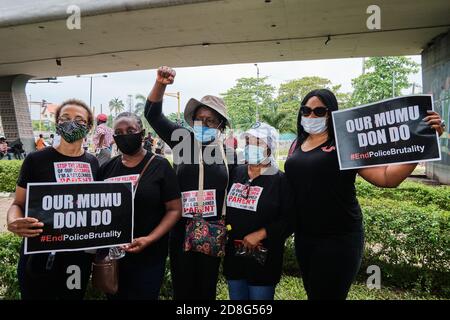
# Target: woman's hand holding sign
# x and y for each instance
(17, 223)
(173, 214)
(435, 121)
(138, 245)
(26, 227)
(391, 176)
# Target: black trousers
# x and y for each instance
(140, 279)
(329, 263)
(194, 274)
(36, 282)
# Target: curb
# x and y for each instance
(7, 195)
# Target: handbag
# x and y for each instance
(105, 275)
(207, 237)
(105, 271)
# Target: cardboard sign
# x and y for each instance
(80, 216)
(386, 132)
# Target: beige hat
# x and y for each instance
(213, 102)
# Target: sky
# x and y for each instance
(194, 81)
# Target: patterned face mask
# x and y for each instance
(71, 131)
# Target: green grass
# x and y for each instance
(291, 288)
(411, 221)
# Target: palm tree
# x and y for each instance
(139, 109)
(116, 106)
(140, 104)
(279, 120)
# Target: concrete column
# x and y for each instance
(14, 112)
(436, 80)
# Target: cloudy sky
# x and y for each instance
(195, 82)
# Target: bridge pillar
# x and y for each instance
(436, 80)
(14, 113)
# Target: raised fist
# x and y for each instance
(165, 75)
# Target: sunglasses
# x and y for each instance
(318, 111)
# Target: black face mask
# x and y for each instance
(129, 143)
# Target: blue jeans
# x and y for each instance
(241, 290)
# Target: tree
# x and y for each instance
(174, 117)
(43, 125)
(139, 106)
(280, 120)
(245, 98)
(116, 106)
(386, 78)
(291, 93)
(110, 121)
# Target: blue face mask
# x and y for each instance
(254, 154)
(205, 134)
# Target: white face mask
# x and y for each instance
(314, 125)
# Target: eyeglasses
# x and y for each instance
(318, 111)
(211, 123)
(78, 120)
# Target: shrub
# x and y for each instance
(9, 256)
(290, 265)
(418, 193)
(407, 235)
(9, 172)
(407, 232)
(411, 244)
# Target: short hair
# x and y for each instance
(77, 102)
(130, 115)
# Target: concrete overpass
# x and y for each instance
(119, 35)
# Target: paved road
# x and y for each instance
(4, 205)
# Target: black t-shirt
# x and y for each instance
(185, 152)
(157, 186)
(48, 165)
(268, 205)
(325, 195)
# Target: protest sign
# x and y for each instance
(80, 216)
(190, 203)
(386, 132)
(73, 171)
(244, 197)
